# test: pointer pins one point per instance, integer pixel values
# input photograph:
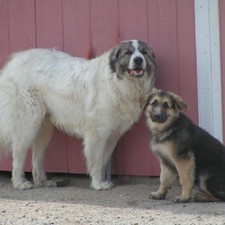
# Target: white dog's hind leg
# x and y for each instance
(39, 146)
(22, 137)
(25, 130)
(98, 153)
(18, 178)
(26, 120)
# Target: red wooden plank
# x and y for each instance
(21, 35)
(21, 25)
(134, 157)
(162, 29)
(49, 24)
(187, 56)
(6, 162)
(104, 25)
(56, 159)
(76, 24)
(162, 35)
(49, 28)
(117, 161)
(4, 32)
(133, 20)
(222, 45)
(96, 39)
(76, 159)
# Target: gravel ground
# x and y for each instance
(78, 204)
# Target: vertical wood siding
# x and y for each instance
(87, 28)
(222, 45)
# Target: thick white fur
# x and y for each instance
(42, 88)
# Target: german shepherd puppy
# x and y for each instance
(184, 149)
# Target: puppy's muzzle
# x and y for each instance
(158, 117)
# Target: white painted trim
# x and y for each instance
(209, 66)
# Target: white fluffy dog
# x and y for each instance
(97, 100)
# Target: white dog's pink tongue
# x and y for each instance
(135, 72)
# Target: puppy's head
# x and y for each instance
(132, 58)
(162, 108)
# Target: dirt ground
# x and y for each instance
(125, 204)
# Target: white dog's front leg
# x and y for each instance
(98, 181)
(98, 154)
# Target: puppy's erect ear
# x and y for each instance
(113, 58)
(178, 101)
(145, 99)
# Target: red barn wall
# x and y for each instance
(88, 28)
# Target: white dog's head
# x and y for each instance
(133, 58)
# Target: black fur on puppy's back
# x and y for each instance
(207, 149)
(209, 153)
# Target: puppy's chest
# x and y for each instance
(165, 150)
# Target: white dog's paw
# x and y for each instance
(45, 183)
(23, 185)
(105, 185)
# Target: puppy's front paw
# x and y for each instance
(181, 199)
(157, 195)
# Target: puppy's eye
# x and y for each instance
(165, 105)
(154, 103)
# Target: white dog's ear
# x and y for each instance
(113, 58)
(153, 59)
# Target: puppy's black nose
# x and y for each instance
(138, 60)
(157, 117)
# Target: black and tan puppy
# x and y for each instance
(184, 149)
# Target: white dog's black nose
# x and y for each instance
(138, 60)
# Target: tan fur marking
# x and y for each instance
(166, 149)
(186, 171)
(205, 197)
(167, 178)
(185, 168)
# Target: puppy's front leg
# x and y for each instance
(167, 178)
(186, 171)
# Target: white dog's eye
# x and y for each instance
(128, 53)
(144, 52)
